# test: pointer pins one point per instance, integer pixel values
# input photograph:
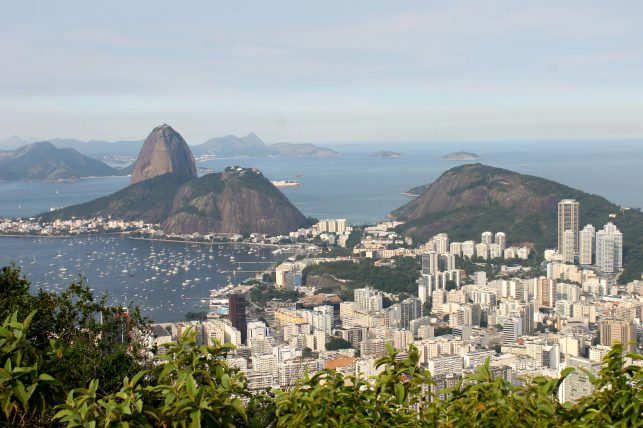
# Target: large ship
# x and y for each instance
(285, 183)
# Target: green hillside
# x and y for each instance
(470, 199)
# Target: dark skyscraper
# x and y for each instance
(237, 311)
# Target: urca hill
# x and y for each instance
(470, 199)
(165, 189)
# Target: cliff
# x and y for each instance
(164, 152)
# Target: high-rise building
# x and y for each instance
(527, 316)
(410, 309)
(501, 239)
(482, 250)
(468, 249)
(425, 287)
(486, 238)
(568, 210)
(609, 249)
(441, 242)
(430, 262)
(511, 330)
(569, 248)
(586, 239)
(368, 299)
(237, 312)
(446, 262)
(612, 330)
(456, 248)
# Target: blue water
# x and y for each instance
(356, 187)
(136, 271)
(364, 189)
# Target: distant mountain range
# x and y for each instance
(228, 146)
(165, 190)
(251, 145)
(470, 199)
(42, 161)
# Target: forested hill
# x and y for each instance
(470, 199)
(239, 200)
(44, 162)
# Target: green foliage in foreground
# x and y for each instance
(194, 387)
(59, 367)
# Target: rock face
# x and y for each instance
(163, 152)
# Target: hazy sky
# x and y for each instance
(324, 71)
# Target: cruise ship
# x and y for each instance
(285, 183)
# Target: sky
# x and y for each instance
(323, 72)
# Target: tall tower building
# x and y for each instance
(446, 262)
(501, 239)
(410, 309)
(430, 262)
(609, 248)
(586, 239)
(441, 241)
(237, 312)
(569, 239)
(486, 238)
(568, 210)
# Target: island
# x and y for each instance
(460, 156)
(385, 154)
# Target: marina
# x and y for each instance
(165, 279)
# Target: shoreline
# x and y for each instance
(62, 236)
(255, 244)
(179, 241)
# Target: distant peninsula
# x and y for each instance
(385, 154)
(252, 145)
(460, 156)
(44, 162)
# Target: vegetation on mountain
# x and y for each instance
(263, 293)
(400, 278)
(150, 201)
(194, 386)
(470, 199)
(236, 201)
(44, 162)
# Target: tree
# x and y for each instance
(336, 343)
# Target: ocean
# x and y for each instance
(357, 187)
(364, 189)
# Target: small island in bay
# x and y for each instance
(385, 154)
(460, 156)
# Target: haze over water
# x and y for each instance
(364, 189)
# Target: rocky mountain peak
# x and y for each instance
(164, 151)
